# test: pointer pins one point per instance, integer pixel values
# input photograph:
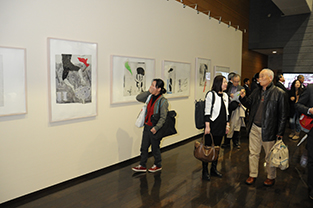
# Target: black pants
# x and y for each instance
(150, 139)
(217, 140)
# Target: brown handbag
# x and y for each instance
(206, 153)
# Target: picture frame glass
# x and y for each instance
(203, 78)
(73, 79)
(129, 77)
(12, 81)
(177, 78)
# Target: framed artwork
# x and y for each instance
(177, 78)
(203, 77)
(12, 81)
(222, 70)
(72, 80)
(129, 77)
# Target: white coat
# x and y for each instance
(216, 105)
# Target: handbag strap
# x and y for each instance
(148, 99)
(203, 139)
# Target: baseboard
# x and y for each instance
(72, 182)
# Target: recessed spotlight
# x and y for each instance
(274, 51)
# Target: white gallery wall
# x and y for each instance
(35, 153)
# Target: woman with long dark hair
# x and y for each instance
(157, 104)
(295, 92)
(216, 120)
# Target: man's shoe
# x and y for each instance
(250, 180)
(154, 168)
(269, 182)
(139, 168)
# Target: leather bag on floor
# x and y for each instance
(206, 153)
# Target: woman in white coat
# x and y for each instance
(216, 120)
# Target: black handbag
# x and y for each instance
(206, 153)
(168, 127)
(199, 111)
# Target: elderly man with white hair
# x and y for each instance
(267, 122)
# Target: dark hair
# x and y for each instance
(217, 83)
(159, 84)
(293, 87)
(279, 76)
(256, 76)
(231, 75)
(245, 80)
(300, 76)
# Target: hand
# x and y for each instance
(153, 130)
(227, 128)
(242, 93)
(292, 98)
(231, 95)
(207, 130)
(311, 110)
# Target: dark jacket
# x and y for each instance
(292, 93)
(275, 113)
(281, 86)
(163, 109)
(248, 91)
(305, 102)
(254, 85)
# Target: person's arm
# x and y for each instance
(245, 100)
(283, 113)
(142, 97)
(163, 113)
(207, 112)
(302, 102)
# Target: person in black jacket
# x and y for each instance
(304, 106)
(268, 117)
(246, 83)
(294, 94)
(216, 121)
(280, 82)
(255, 82)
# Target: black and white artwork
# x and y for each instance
(73, 76)
(129, 77)
(134, 81)
(12, 81)
(177, 78)
(203, 77)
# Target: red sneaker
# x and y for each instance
(139, 168)
(154, 168)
